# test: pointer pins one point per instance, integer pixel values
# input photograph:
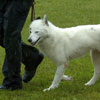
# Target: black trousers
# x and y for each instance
(13, 14)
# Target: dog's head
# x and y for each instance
(38, 30)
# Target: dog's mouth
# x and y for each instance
(33, 43)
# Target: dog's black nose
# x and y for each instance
(29, 40)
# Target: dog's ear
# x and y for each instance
(45, 20)
(38, 18)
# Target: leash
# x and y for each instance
(33, 11)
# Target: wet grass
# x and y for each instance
(63, 13)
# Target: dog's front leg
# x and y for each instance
(57, 78)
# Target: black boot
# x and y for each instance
(9, 82)
(3, 87)
(29, 73)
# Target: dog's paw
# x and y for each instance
(67, 78)
(47, 89)
(88, 84)
(70, 78)
(50, 88)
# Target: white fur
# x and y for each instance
(64, 44)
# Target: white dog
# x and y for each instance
(64, 44)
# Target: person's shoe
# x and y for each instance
(29, 74)
(2, 87)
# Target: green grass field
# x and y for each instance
(63, 13)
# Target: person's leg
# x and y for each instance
(2, 10)
(31, 58)
(1, 36)
(6, 81)
(14, 19)
(3, 4)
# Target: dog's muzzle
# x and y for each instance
(33, 43)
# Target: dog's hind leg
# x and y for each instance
(58, 76)
(95, 55)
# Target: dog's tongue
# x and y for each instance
(33, 43)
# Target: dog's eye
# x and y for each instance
(30, 32)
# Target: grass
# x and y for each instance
(63, 13)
